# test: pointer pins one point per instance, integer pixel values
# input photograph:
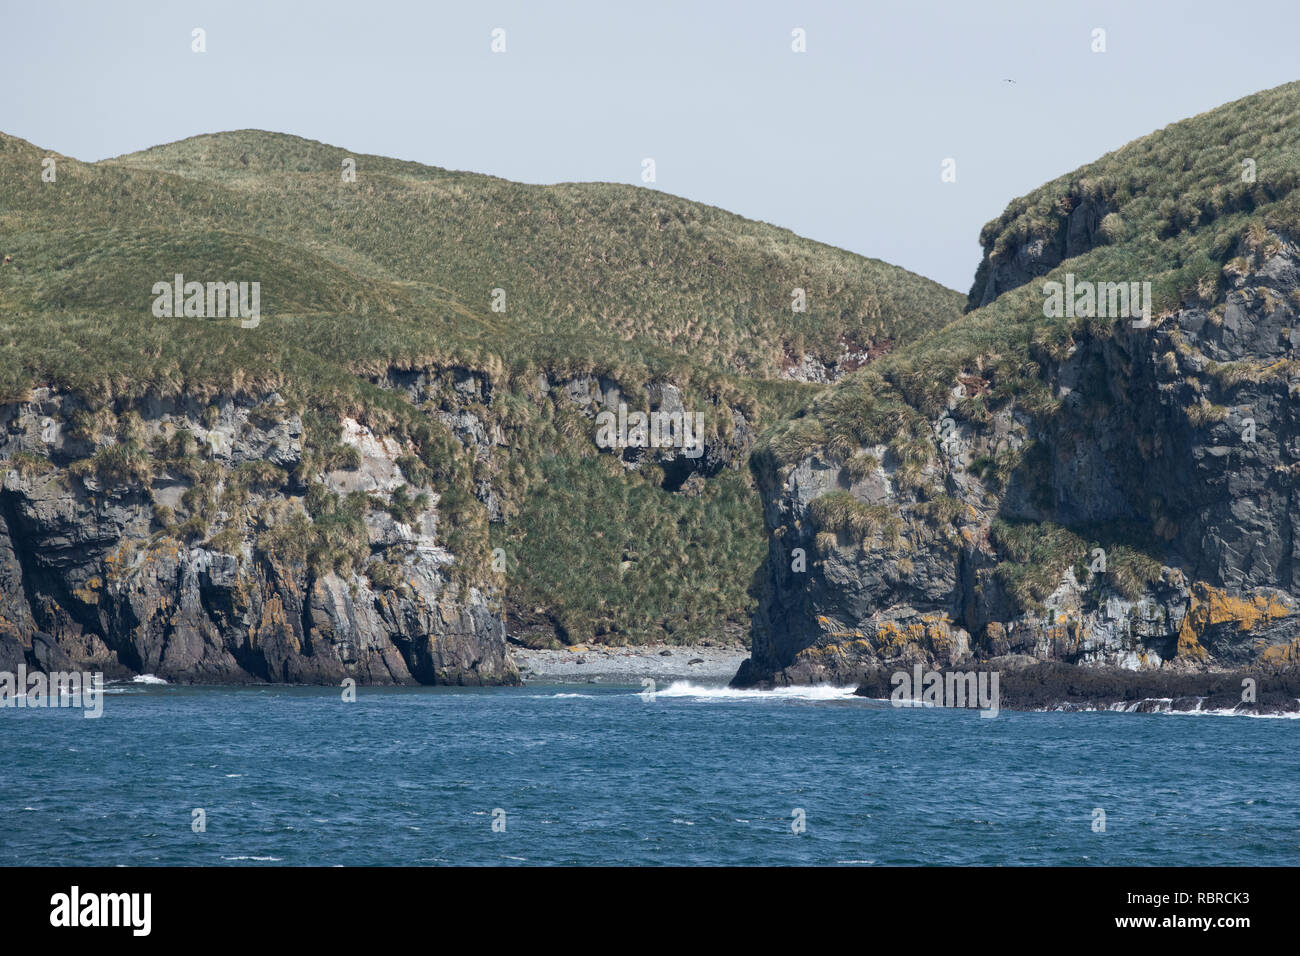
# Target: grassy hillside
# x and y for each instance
(1180, 216)
(396, 271)
(1172, 201)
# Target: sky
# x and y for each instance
(844, 143)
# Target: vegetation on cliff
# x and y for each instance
(1148, 451)
(1185, 220)
(413, 269)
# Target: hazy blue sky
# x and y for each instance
(842, 143)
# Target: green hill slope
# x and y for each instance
(377, 304)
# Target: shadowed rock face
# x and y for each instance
(97, 570)
(1184, 433)
(1073, 234)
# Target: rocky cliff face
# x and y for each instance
(1149, 516)
(466, 402)
(590, 533)
(1077, 225)
(197, 543)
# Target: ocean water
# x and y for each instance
(600, 775)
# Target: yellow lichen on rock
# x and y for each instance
(1211, 606)
(1279, 654)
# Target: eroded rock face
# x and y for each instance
(187, 567)
(831, 602)
(1009, 265)
(459, 398)
(1185, 434)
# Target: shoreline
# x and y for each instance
(1021, 684)
(1055, 686)
(597, 664)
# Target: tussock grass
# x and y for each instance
(1183, 217)
(396, 271)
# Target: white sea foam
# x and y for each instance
(147, 679)
(1228, 712)
(1164, 707)
(683, 688)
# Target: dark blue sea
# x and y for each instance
(601, 775)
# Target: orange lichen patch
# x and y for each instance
(845, 650)
(87, 594)
(117, 563)
(274, 621)
(1211, 606)
(1060, 631)
(1189, 645)
(820, 652)
(932, 633)
(890, 636)
(163, 548)
(1288, 653)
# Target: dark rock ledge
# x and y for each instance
(1054, 685)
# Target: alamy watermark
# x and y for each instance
(1090, 300)
(212, 300)
(75, 908)
(55, 689)
(684, 430)
(964, 689)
